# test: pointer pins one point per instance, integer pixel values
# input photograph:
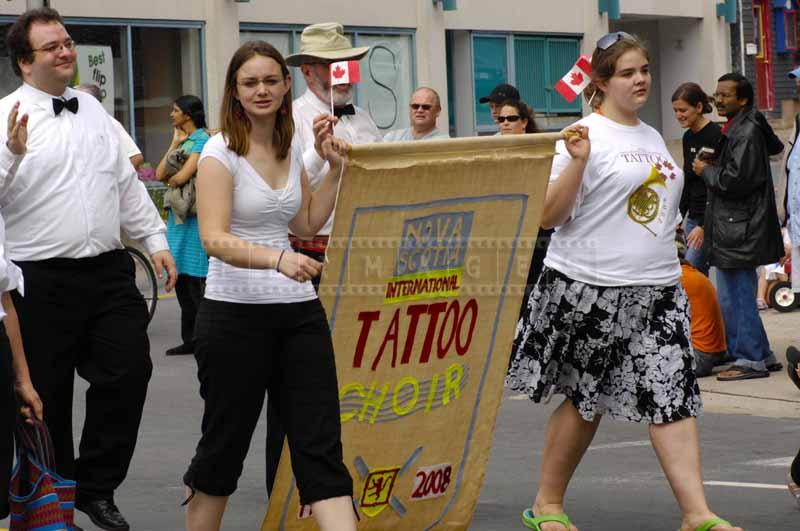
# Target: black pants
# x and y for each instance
(275, 432)
(7, 419)
(795, 470)
(189, 291)
(245, 350)
(86, 314)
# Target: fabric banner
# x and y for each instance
(427, 264)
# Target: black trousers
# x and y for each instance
(245, 350)
(7, 419)
(189, 291)
(86, 314)
(275, 432)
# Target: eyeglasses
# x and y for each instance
(423, 106)
(610, 39)
(55, 47)
(511, 119)
(252, 83)
(723, 95)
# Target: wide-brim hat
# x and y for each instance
(323, 43)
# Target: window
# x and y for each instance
(166, 65)
(281, 41)
(785, 26)
(790, 28)
(538, 64)
(386, 79)
(490, 68)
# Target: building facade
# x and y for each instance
(765, 50)
(145, 54)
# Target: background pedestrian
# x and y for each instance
(190, 136)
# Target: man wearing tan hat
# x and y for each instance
(321, 45)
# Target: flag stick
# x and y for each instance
(332, 114)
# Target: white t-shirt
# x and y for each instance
(622, 229)
(259, 215)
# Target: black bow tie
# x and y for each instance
(59, 104)
(344, 110)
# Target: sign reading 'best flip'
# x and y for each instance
(427, 263)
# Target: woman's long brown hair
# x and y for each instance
(235, 125)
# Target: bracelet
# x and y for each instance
(278, 264)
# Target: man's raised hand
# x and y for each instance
(17, 141)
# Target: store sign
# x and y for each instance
(96, 66)
(424, 276)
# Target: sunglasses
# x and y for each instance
(511, 119)
(610, 39)
(423, 106)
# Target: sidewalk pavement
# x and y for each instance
(775, 396)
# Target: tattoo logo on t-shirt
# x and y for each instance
(644, 204)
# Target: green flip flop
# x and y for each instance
(533, 522)
(709, 524)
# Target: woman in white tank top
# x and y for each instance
(261, 327)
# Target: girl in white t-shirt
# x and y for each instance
(261, 327)
(607, 324)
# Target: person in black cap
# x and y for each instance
(500, 94)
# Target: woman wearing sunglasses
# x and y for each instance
(516, 118)
(607, 323)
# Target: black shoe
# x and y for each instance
(793, 360)
(775, 367)
(104, 514)
(180, 350)
(76, 527)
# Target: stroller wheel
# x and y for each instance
(781, 297)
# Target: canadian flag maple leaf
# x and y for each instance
(574, 81)
(344, 72)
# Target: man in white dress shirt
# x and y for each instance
(424, 110)
(66, 190)
(320, 45)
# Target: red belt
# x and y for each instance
(317, 244)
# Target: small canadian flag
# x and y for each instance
(345, 72)
(578, 77)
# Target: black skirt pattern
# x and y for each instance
(618, 351)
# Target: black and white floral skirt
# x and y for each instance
(618, 351)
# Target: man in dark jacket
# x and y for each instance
(742, 226)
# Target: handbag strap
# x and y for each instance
(35, 438)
